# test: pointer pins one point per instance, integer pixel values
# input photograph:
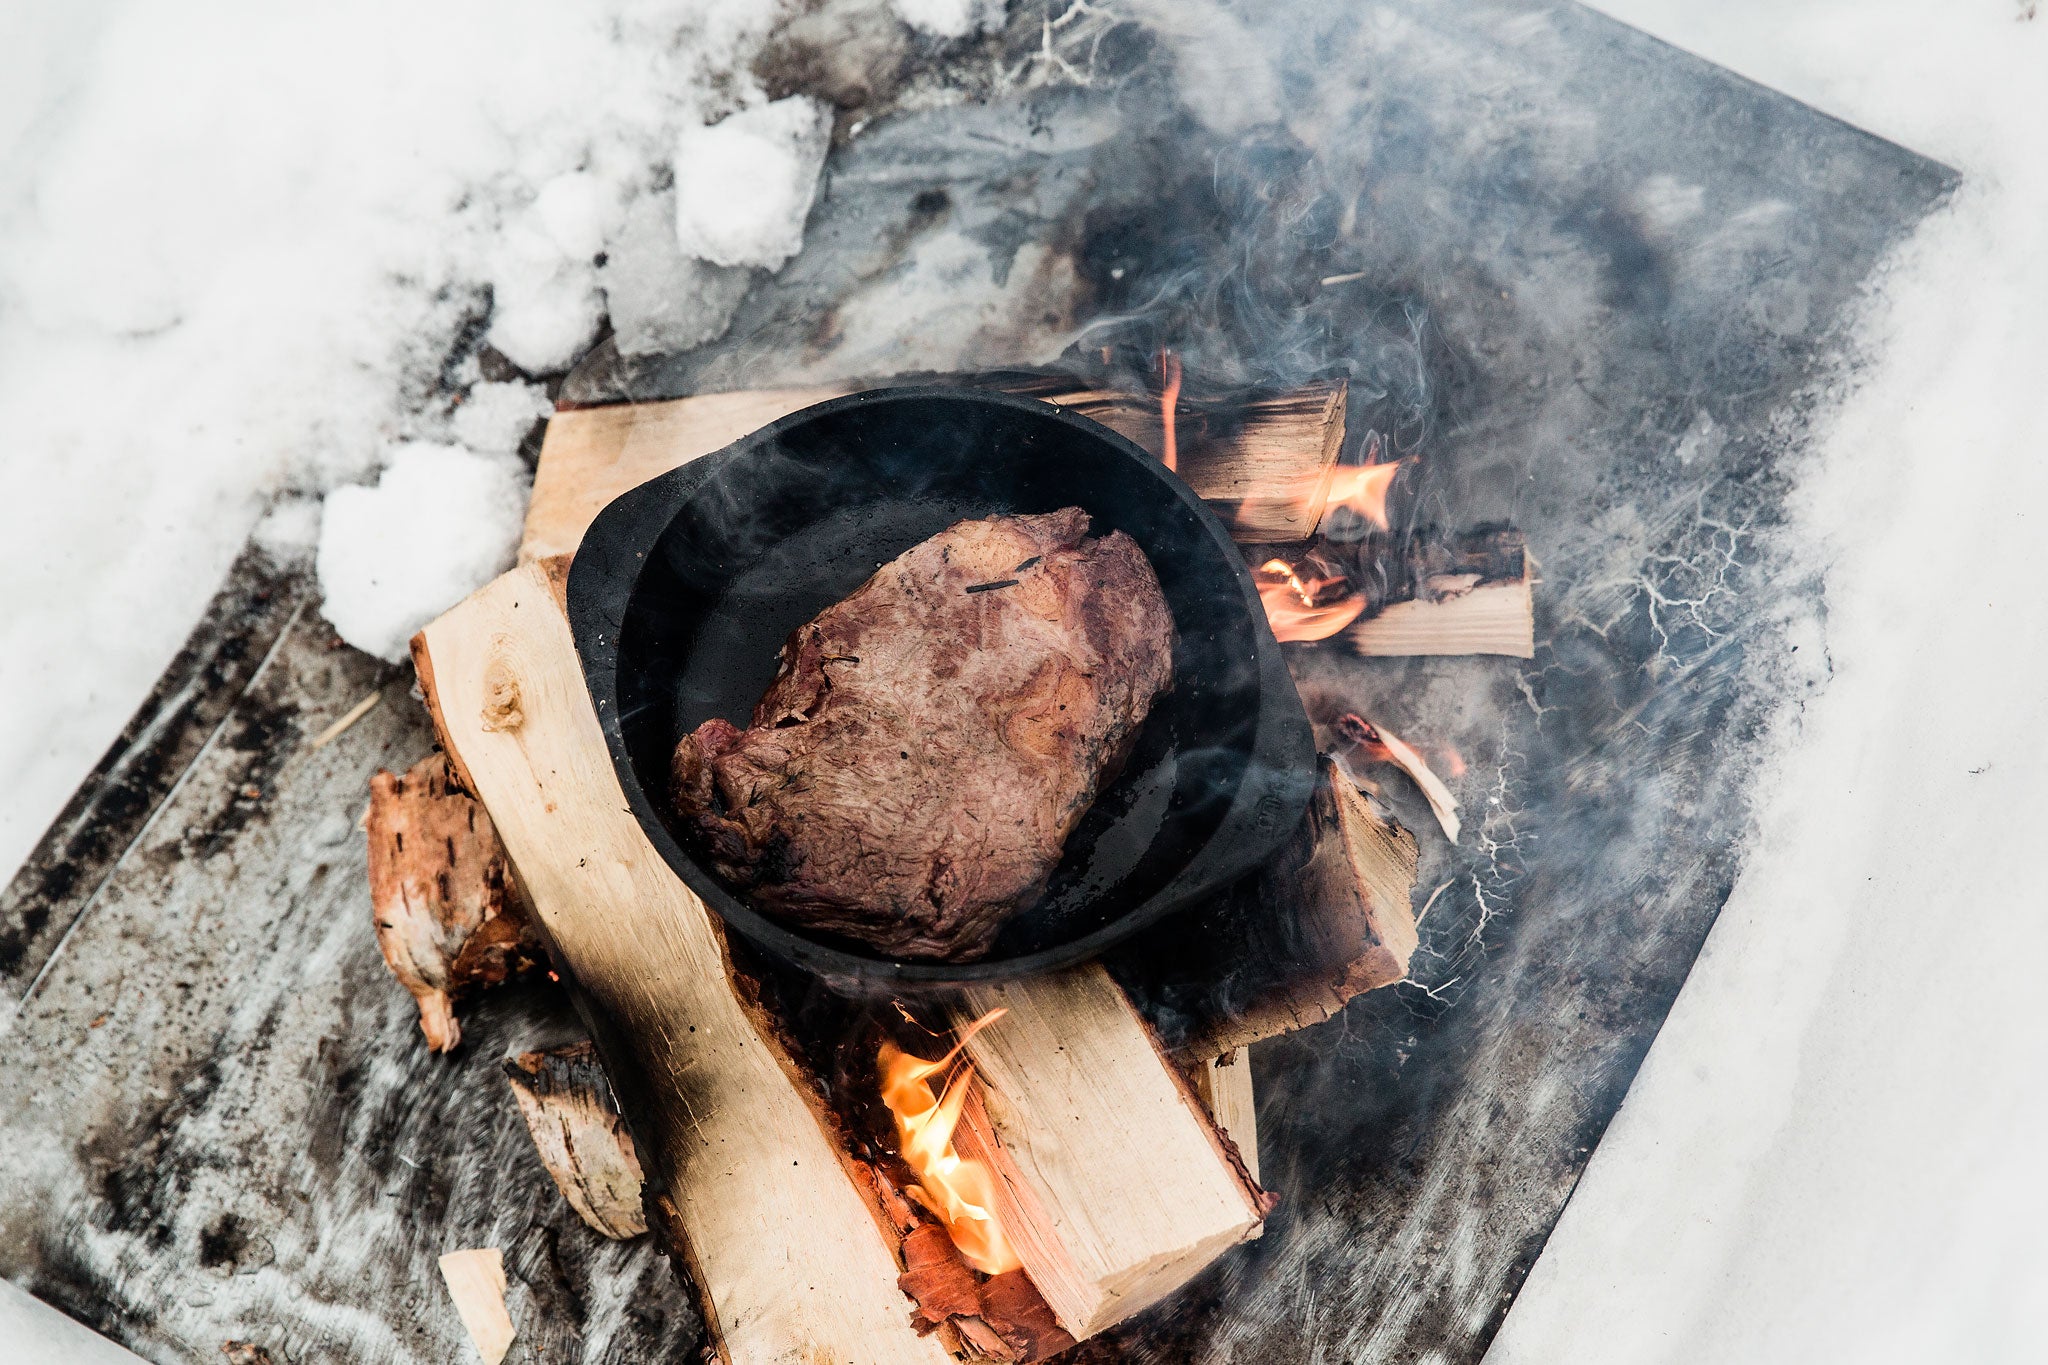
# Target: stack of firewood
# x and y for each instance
(1124, 1164)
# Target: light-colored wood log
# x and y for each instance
(591, 455)
(1474, 618)
(1111, 1180)
(476, 1281)
(1266, 474)
(568, 1107)
(1225, 1086)
(791, 1265)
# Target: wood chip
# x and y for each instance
(1385, 746)
(348, 718)
(476, 1281)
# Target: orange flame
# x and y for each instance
(1169, 399)
(1291, 606)
(1363, 489)
(959, 1191)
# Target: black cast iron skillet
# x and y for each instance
(685, 588)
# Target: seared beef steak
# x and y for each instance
(910, 778)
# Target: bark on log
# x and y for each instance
(568, 1107)
(1328, 919)
(1262, 461)
(448, 919)
(789, 1260)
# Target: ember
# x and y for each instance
(959, 1191)
(1292, 607)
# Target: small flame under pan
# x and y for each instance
(685, 588)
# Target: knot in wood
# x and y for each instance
(502, 709)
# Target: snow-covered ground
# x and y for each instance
(226, 259)
(1834, 1151)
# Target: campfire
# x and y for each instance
(958, 1191)
(1074, 1147)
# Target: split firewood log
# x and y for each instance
(1329, 918)
(568, 1107)
(441, 893)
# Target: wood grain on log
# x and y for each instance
(788, 1262)
(1111, 1181)
(1263, 462)
(1329, 918)
(446, 915)
(1459, 615)
(568, 1107)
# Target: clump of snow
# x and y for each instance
(660, 299)
(494, 418)
(290, 530)
(440, 523)
(744, 185)
(238, 243)
(951, 18)
(545, 307)
(575, 209)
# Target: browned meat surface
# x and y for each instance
(910, 778)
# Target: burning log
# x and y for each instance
(447, 917)
(568, 1107)
(1264, 462)
(1078, 1128)
(1328, 919)
(1425, 593)
(759, 1191)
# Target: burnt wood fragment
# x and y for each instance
(447, 917)
(568, 1107)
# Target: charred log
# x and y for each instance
(1425, 592)
(1328, 919)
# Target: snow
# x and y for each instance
(440, 523)
(744, 185)
(238, 242)
(950, 18)
(1833, 1149)
(496, 417)
(662, 300)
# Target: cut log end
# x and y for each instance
(448, 920)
